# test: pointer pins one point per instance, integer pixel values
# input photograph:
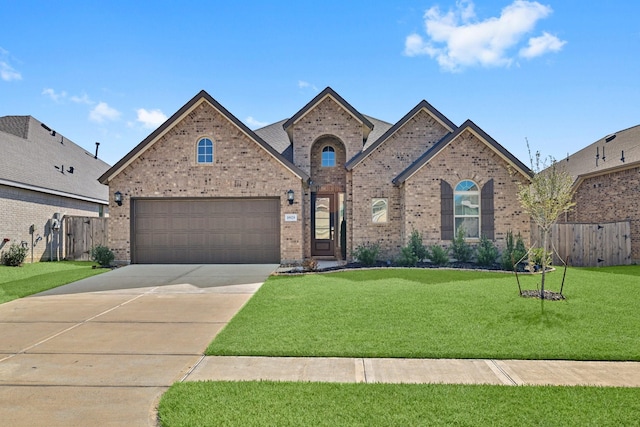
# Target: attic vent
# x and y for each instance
(610, 138)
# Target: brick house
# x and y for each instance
(43, 177)
(607, 183)
(204, 188)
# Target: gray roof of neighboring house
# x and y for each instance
(33, 157)
(605, 154)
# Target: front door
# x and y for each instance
(323, 227)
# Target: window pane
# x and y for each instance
(328, 157)
(467, 205)
(205, 151)
(466, 186)
(379, 210)
(322, 217)
(471, 227)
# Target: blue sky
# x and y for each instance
(561, 74)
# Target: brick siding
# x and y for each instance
(21, 208)
(241, 168)
(613, 196)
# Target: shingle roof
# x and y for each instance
(38, 158)
(389, 131)
(440, 145)
(202, 96)
(605, 154)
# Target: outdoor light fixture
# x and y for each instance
(290, 196)
(117, 197)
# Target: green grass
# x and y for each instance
(324, 404)
(18, 282)
(422, 313)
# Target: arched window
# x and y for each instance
(205, 151)
(328, 157)
(466, 202)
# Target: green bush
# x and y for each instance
(438, 255)
(102, 255)
(515, 250)
(536, 256)
(459, 248)
(414, 252)
(367, 253)
(15, 255)
(407, 257)
(487, 253)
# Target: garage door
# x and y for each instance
(205, 231)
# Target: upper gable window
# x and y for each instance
(328, 157)
(466, 198)
(205, 151)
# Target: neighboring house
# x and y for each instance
(43, 177)
(204, 188)
(607, 182)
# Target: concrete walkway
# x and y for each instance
(445, 371)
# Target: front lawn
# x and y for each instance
(18, 282)
(426, 313)
(324, 404)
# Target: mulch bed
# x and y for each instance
(548, 295)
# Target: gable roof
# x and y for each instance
(36, 158)
(612, 152)
(197, 100)
(442, 144)
(422, 105)
(367, 126)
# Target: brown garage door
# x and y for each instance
(205, 231)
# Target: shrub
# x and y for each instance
(414, 252)
(487, 253)
(515, 250)
(459, 248)
(102, 255)
(536, 257)
(438, 255)
(15, 255)
(407, 257)
(367, 253)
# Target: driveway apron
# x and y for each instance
(101, 351)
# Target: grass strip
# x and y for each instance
(422, 313)
(18, 282)
(325, 404)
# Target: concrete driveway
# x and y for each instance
(101, 351)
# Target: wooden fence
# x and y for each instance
(81, 234)
(589, 245)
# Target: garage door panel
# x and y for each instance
(206, 231)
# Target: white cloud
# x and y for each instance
(304, 85)
(83, 99)
(457, 39)
(55, 96)
(102, 112)
(255, 124)
(7, 73)
(540, 45)
(150, 118)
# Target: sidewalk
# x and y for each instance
(445, 371)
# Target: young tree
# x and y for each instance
(548, 196)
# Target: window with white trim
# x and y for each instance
(328, 157)
(379, 210)
(205, 151)
(466, 206)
